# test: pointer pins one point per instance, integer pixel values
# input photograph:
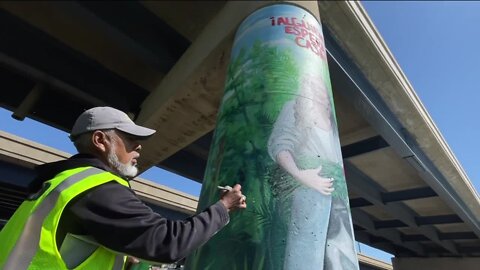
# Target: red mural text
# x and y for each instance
(307, 35)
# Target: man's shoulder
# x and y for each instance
(112, 189)
(48, 170)
(111, 195)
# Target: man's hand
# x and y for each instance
(232, 198)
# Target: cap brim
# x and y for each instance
(136, 130)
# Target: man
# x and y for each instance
(82, 213)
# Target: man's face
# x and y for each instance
(123, 154)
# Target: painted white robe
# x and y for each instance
(319, 230)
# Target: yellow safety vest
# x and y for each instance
(28, 240)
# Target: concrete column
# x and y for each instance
(277, 136)
(436, 263)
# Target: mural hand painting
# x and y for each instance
(308, 177)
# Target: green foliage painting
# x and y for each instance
(250, 106)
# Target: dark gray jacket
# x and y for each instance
(117, 219)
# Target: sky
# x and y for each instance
(435, 44)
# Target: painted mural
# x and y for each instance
(277, 136)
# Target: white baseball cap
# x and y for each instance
(108, 118)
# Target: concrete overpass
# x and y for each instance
(165, 62)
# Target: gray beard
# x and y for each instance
(125, 170)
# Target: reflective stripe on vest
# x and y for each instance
(77, 249)
(27, 244)
(119, 262)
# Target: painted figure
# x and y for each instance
(304, 143)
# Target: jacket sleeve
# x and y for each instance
(118, 220)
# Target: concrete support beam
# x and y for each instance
(363, 147)
(435, 263)
(80, 29)
(408, 194)
(48, 81)
(442, 219)
(362, 185)
(197, 13)
(183, 107)
(28, 103)
(347, 138)
(458, 235)
(365, 220)
(359, 202)
(373, 263)
(26, 153)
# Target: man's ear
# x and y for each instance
(100, 141)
